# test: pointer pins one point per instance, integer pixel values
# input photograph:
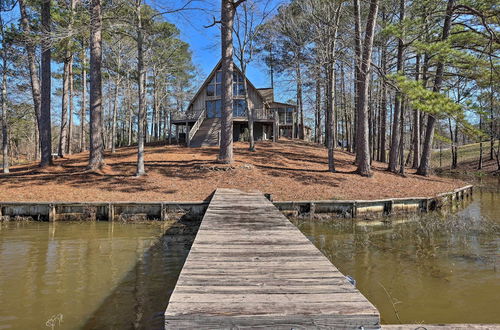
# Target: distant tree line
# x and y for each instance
(386, 78)
(120, 71)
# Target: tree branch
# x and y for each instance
(214, 23)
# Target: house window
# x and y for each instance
(289, 115)
(239, 108)
(214, 108)
(214, 87)
(238, 88)
(211, 90)
(282, 117)
(286, 116)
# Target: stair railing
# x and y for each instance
(196, 126)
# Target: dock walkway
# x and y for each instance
(249, 267)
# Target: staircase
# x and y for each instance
(207, 134)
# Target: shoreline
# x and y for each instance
(123, 211)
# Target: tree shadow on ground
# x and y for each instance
(177, 171)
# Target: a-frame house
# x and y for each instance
(200, 124)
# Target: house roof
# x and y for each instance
(285, 104)
(267, 93)
(212, 73)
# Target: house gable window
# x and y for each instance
(213, 104)
(238, 87)
(214, 87)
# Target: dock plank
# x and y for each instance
(250, 267)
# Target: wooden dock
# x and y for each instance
(249, 267)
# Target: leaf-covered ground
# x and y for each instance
(290, 170)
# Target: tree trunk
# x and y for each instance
(70, 99)
(416, 122)
(115, 107)
(249, 111)
(318, 133)
(301, 128)
(170, 127)
(3, 104)
(492, 121)
(480, 163)
(402, 141)
(357, 75)
(362, 143)
(129, 113)
(115, 112)
(383, 101)
(68, 147)
(455, 146)
(141, 117)
(63, 135)
(228, 9)
(96, 157)
(83, 110)
(330, 117)
(45, 117)
(35, 82)
(383, 123)
(424, 168)
(395, 139)
(347, 134)
(156, 111)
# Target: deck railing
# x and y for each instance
(258, 114)
(196, 126)
(188, 115)
(262, 114)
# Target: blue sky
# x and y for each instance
(205, 42)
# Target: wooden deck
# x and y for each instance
(250, 267)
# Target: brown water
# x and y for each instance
(427, 269)
(100, 275)
(91, 275)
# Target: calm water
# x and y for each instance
(95, 275)
(88, 275)
(425, 269)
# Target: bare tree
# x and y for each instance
(83, 110)
(325, 17)
(3, 101)
(397, 138)
(362, 142)
(45, 116)
(66, 123)
(228, 10)
(142, 93)
(246, 31)
(96, 156)
(416, 121)
(33, 70)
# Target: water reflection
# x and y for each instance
(93, 274)
(429, 269)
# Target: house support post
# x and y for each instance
(188, 142)
(275, 126)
